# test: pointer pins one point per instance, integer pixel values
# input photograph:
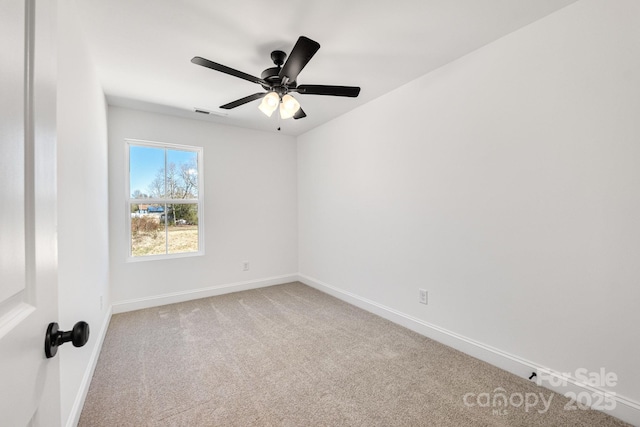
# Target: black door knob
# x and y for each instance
(79, 336)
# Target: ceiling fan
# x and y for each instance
(280, 81)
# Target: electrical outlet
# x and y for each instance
(245, 265)
(423, 296)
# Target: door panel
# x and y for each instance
(29, 383)
(12, 274)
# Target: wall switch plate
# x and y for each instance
(245, 265)
(423, 296)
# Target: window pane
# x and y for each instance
(182, 228)
(182, 174)
(146, 171)
(148, 235)
(170, 176)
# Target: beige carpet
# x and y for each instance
(290, 355)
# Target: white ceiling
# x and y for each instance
(143, 48)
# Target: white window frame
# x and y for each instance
(129, 200)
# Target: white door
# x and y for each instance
(29, 383)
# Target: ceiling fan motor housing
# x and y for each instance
(271, 75)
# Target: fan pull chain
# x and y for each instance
(279, 118)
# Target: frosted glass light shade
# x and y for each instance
(288, 107)
(269, 103)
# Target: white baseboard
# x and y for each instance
(164, 299)
(78, 404)
(625, 409)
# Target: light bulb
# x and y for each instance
(288, 107)
(269, 103)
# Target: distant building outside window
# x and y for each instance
(164, 200)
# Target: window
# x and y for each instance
(164, 202)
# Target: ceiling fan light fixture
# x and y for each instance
(288, 107)
(280, 80)
(269, 103)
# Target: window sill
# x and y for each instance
(164, 257)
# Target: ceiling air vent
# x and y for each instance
(209, 113)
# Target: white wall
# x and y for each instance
(250, 211)
(506, 184)
(83, 240)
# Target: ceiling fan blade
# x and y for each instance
(227, 70)
(350, 91)
(243, 101)
(301, 54)
(300, 114)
